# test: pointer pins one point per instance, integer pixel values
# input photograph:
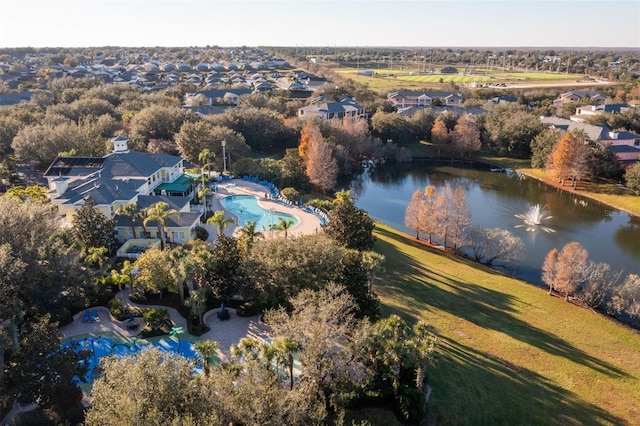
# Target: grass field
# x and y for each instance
(508, 352)
(384, 79)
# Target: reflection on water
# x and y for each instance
(495, 199)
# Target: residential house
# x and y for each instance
(219, 97)
(503, 99)
(585, 112)
(346, 108)
(122, 177)
(625, 145)
(405, 98)
(580, 96)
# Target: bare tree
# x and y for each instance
(460, 217)
(490, 246)
(550, 269)
(413, 216)
(598, 286)
(430, 216)
(322, 168)
(627, 297)
(571, 268)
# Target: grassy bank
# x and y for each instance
(508, 352)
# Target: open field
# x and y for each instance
(508, 352)
(388, 79)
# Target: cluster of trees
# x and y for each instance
(49, 274)
(569, 272)
(320, 360)
(43, 280)
(268, 273)
(445, 215)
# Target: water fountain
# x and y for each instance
(534, 217)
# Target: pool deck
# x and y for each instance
(307, 223)
(226, 333)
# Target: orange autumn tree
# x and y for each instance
(440, 134)
(569, 159)
(466, 135)
(321, 165)
(309, 131)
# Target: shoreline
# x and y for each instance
(570, 190)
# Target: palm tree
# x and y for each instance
(342, 196)
(249, 235)
(98, 256)
(284, 225)
(203, 193)
(285, 348)
(130, 210)
(220, 221)
(206, 349)
(160, 214)
(179, 269)
(176, 331)
(204, 157)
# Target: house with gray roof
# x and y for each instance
(329, 110)
(579, 96)
(625, 145)
(218, 97)
(583, 113)
(406, 98)
(123, 177)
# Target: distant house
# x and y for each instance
(124, 177)
(329, 110)
(403, 99)
(449, 70)
(580, 95)
(503, 99)
(219, 97)
(585, 112)
(14, 98)
(625, 145)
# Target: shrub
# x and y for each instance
(316, 202)
(247, 309)
(201, 233)
(409, 404)
(156, 317)
(138, 296)
(291, 194)
(115, 306)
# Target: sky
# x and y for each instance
(352, 23)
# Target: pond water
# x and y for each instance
(495, 199)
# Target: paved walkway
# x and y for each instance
(307, 223)
(226, 333)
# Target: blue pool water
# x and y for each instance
(102, 346)
(246, 208)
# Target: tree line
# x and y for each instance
(570, 273)
(444, 214)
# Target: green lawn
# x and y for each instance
(608, 193)
(509, 353)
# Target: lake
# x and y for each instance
(610, 235)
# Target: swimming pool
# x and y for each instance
(246, 208)
(111, 345)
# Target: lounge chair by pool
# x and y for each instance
(85, 318)
(94, 315)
